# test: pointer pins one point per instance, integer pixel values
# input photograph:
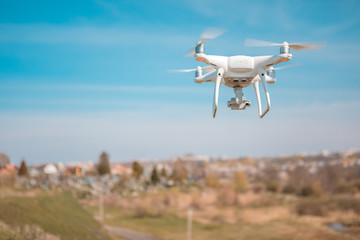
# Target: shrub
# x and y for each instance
(143, 211)
(258, 188)
(345, 189)
(313, 208)
(212, 181)
(240, 181)
(289, 189)
(356, 184)
(321, 207)
(272, 186)
(226, 197)
(26, 232)
(313, 189)
(348, 204)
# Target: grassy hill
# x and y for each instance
(58, 214)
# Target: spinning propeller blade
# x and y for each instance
(259, 43)
(207, 69)
(288, 66)
(306, 46)
(209, 33)
(294, 46)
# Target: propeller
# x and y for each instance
(209, 33)
(294, 46)
(206, 68)
(287, 66)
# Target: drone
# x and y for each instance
(241, 71)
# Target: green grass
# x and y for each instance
(171, 227)
(59, 214)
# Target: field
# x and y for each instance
(164, 216)
(43, 215)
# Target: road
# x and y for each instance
(129, 234)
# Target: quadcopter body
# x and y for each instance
(241, 71)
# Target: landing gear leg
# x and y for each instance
(257, 93)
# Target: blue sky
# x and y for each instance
(77, 78)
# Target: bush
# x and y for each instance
(82, 194)
(306, 191)
(226, 197)
(240, 181)
(345, 189)
(313, 208)
(356, 184)
(321, 207)
(142, 212)
(26, 232)
(272, 186)
(212, 181)
(258, 188)
(314, 189)
(289, 189)
(348, 204)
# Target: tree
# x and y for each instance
(137, 170)
(103, 166)
(154, 176)
(179, 173)
(211, 180)
(240, 181)
(163, 173)
(4, 159)
(23, 170)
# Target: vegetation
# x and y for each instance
(164, 173)
(154, 176)
(137, 170)
(179, 172)
(278, 199)
(172, 227)
(58, 214)
(240, 181)
(324, 206)
(27, 232)
(212, 181)
(23, 170)
(103, 166)
(4, 159)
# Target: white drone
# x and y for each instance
(240, 71)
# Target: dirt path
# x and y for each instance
(129, 234)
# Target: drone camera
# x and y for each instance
(238, 104)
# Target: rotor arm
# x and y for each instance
(220, 73)
(257, 93)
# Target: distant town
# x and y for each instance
(139, 175)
